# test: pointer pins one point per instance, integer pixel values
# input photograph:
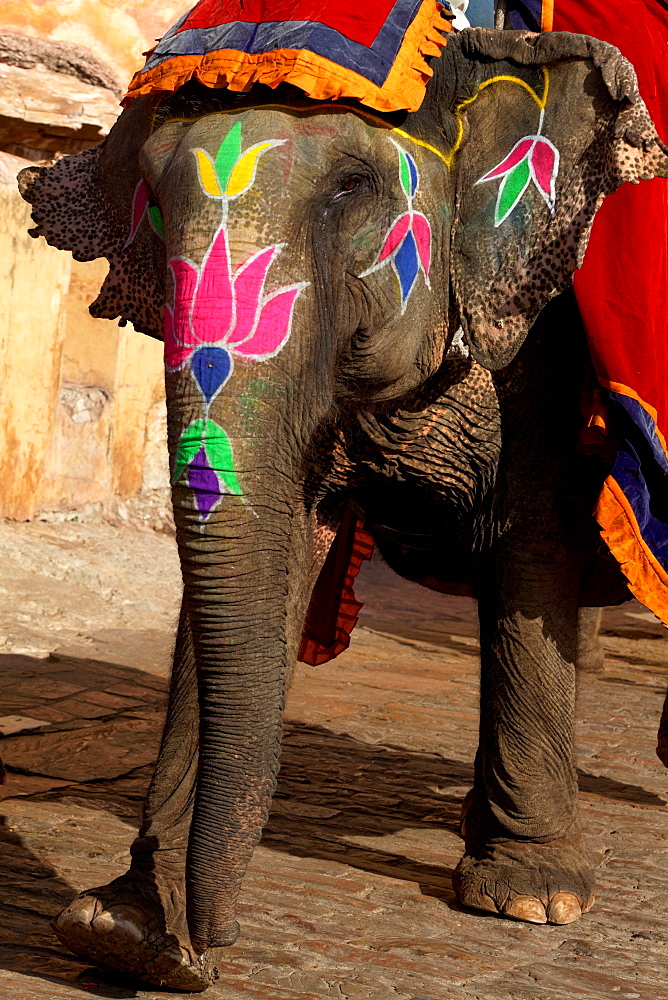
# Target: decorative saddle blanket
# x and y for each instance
(622, 293)
(373, 52)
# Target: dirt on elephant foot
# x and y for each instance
(123, 927)
(539, 883)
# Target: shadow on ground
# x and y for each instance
(333, 790)
(31, 893)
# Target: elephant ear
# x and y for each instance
(548, 126)
(95, 204)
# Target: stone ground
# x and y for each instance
(349, 895)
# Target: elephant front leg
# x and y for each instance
(137, 923)
(524, 852)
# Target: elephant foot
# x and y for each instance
(541, 883)
(131, 927)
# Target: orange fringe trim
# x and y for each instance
(547, 15)
(318, 77)
(595, 427)
(333, 612)
(624, 390)
(647, 579)
(596, 436)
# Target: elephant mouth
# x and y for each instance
(409, 540)
(439, 558)
(436, 561)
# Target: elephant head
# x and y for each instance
(303, 261)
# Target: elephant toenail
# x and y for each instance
(80, 911)
(525, 908)
(119, 918)
(563, 908)
(478, 900)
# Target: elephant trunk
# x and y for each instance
(238, 432)
(237, 594)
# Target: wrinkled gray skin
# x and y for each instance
(466, 467)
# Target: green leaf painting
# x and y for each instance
(189, 445)
(209, 435)
(513, 186)
(404, 173)
(219, 452)
(228, 154)
(156, 220)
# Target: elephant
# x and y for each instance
(367, 312)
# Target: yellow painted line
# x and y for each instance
(447, 158)
(419, 142)
(540, 101)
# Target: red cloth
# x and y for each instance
(358, 22)
(622, 288)
(333, 611)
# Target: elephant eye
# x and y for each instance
(348, 186)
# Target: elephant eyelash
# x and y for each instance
(349, 186)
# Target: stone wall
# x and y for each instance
(34, 280)
(82, 413)
(111, 34)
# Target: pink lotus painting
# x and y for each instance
(218, 313)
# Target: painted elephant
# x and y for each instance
(316, 261)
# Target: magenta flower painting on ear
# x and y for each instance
(533, 158)
(143, 209)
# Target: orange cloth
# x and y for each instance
(383, 75)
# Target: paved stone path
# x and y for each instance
(349, 895)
